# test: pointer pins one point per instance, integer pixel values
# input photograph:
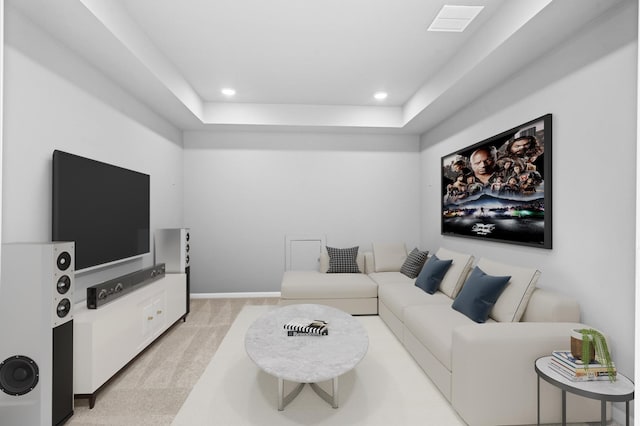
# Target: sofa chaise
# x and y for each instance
(485, 370)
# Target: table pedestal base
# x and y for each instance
(283, 400)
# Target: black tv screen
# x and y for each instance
(103, 208)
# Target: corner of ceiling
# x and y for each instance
(508, 20)
(122, 26)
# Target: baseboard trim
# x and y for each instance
(237, 295)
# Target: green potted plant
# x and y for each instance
(588, 345)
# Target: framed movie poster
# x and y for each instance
(499, 189)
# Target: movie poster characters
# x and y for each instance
(496, 189)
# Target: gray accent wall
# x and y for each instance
(245, 192)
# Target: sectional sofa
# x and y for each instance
(485, 370)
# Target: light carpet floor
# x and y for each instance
(386, 387)
(152, 389)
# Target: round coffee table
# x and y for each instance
(306, 359)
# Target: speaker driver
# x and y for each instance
(64, 261)
(188, 236)
(64, 284)
(187, 248)
(63, 308)
(18, 375)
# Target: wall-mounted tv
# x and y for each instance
(499, 189)
(103, 208)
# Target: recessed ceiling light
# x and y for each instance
(227, 91)
(454, 18)
(380, 95)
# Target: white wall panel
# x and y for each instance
(302, 252)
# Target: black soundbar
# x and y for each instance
(100, 294)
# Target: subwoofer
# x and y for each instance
(36, 333)
(172, 247)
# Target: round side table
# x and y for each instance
(603, 390)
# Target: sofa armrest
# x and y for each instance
(369, 264)
(493, 377)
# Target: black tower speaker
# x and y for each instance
(36, 333)
(172, 247)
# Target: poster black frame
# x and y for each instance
(527, 211)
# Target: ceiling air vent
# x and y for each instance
(454, 18)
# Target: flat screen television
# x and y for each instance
(103, 208)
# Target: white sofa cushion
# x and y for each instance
(389, 257)
(396, 297)
(433, 325)
(316, 285)
(549, 306)
(391, 278)
(457, 273)
(513, 301)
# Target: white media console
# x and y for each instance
(106, 339)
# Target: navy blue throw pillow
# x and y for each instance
(432, 274)
(479, 294)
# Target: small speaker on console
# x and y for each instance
(36, 333)
(172, 247)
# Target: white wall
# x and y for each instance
(589, 85)
(245, 191)
(54, 100)
(1, 107)
(637, 298)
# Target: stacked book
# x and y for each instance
(306, 328)
(574, 369)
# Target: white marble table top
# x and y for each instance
(306, 359)
(620, 390)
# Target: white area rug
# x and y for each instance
(387, 387)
